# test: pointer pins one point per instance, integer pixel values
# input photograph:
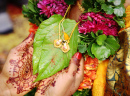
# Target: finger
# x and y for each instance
(80, 73)
(74, 63)
(27, 42)
(45, 85)
(81, 67)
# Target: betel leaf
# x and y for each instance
(100, 52)
(48, 60)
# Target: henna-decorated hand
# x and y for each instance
(66, 82)
(17, 77)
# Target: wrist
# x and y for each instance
(4, 90)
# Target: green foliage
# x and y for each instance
(91, 5)
(120, 21)
(101, 1)
(31, 93)
(100, 52)
(31, 11)
(107, 8)
(100, 39)
(48, 60)
(115, 7)
(85, 92)
(98, 45)
(70, 1)
(119, 11)
(117, 2)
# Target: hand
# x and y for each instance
(66, 82)
(17, 77)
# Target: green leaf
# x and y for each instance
(70, 1)
(89, 49)
(87, 4)
(85, 92)
(123, 1)
(104, 7)
(100, 39)
(109, 10)
(119, 11)
(100, 1)
(100, 52)
(117, 2)
(48, 60)
(93, 35)
(99, 32)
(31, 93)
(31, 6)
(112, 44)
(110, 0)
(120, 22)
(25, 8)
(82, 48)
(31, 11)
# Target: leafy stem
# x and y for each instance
(100, 46)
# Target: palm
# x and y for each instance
(18, 69)
(63, 83)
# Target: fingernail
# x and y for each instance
(78, 55)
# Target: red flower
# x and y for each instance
(92, 22)
(51, 7)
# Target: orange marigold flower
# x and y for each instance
(90, 68)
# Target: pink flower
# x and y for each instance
(51, 7)
(92, 22)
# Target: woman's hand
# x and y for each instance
(17, 77)
(66, 82)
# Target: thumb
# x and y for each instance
(74, 63)
(27, 42)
